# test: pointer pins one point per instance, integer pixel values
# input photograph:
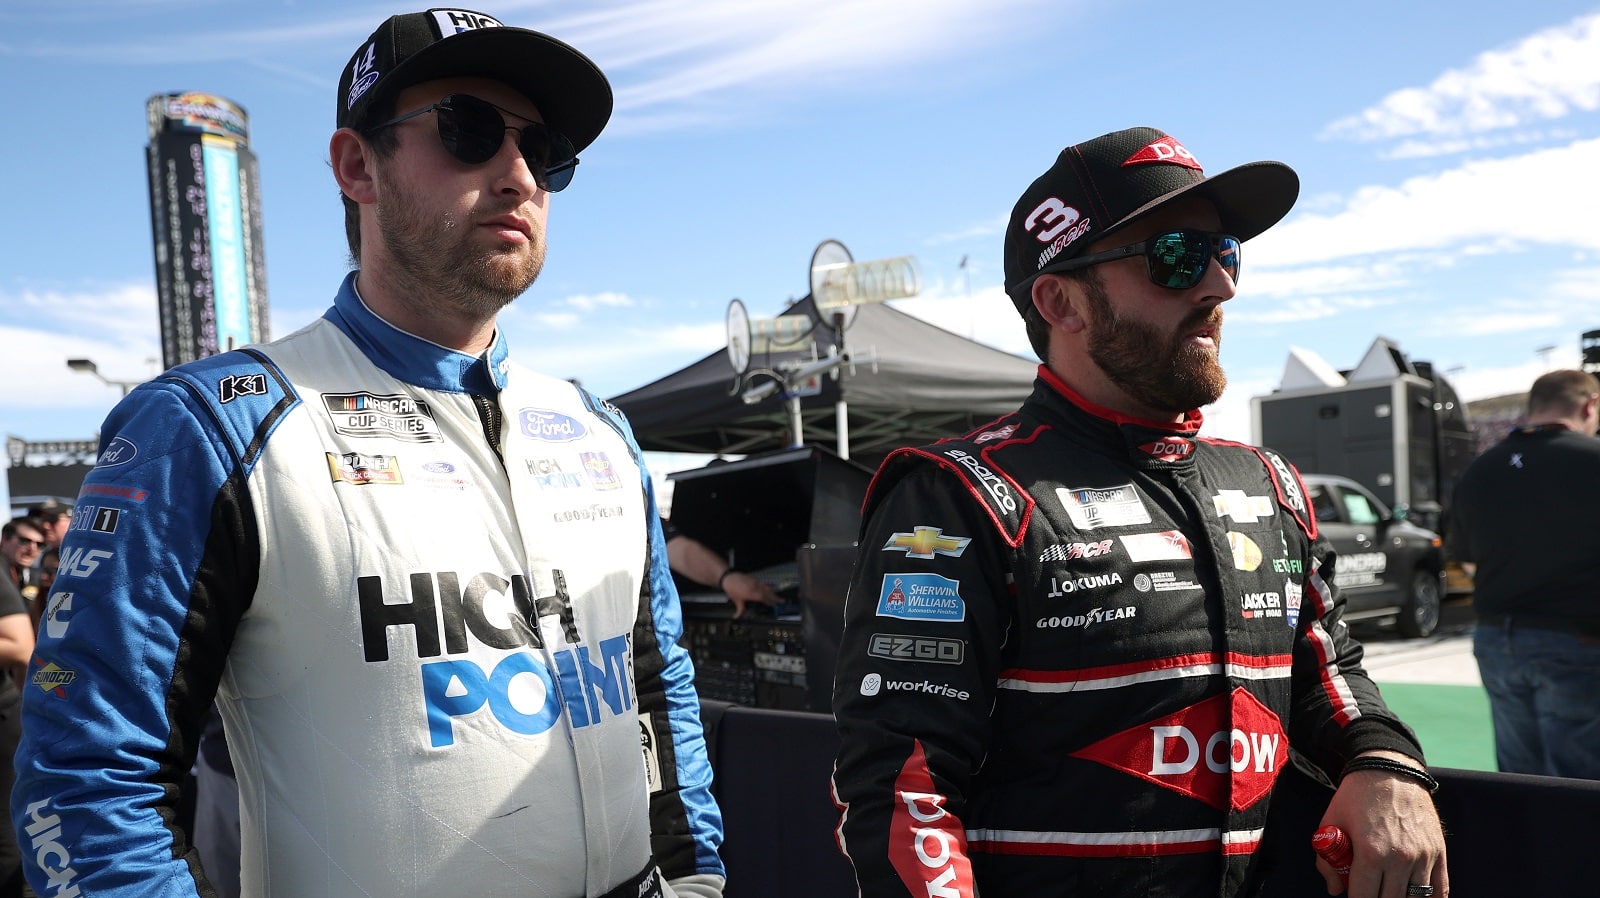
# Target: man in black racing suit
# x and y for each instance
(1080, 642)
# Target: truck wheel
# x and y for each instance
(1419, 615)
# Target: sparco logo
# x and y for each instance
(1098, 615)
(44, 837)
(1291, 486)
(894, 647)
(997, 488)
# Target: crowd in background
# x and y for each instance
(30, 549)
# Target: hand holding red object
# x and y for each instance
(1332, 845)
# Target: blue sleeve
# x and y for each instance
(155, 573)
(686, 824)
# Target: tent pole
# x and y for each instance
(841, 427)
(796, 435)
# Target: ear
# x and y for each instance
(351, 158)
(1060, 302)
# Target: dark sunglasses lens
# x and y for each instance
(470, 129)
(1178, 260)
(550, 156)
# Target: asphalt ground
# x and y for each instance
(1433, 685)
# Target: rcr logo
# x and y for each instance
(44, 836)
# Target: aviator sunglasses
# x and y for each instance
(472, 130)
(1176, 259)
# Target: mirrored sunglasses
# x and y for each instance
(1176, 260)
(472, 131)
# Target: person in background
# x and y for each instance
(696, 561)
(1080, 642)
(436, 676)
(21, 541)
(54, 518)
(16, 647)
(1518, 522)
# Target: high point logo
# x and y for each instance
(590, 683)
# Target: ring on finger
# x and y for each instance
(1419, 891)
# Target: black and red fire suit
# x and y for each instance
(1077, 649)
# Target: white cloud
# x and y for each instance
(1496, 201)
(596, 301)
(1545, 76)
(990, 228)
(667, 58)
(1298, 310)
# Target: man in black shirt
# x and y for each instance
(1521, 515)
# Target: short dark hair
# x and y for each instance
(1563, 392)
(10, 528)
(383, 142)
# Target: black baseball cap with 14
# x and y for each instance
(571, 92)
(1108, 183)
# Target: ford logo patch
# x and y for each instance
(119, 451)
(550, 427)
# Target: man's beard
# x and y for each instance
(446, 265)
(1170, 373)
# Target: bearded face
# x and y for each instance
(1165, 371)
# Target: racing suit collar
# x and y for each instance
(1158, 444)
(1189, 426)
(412, 359)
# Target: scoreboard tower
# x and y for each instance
(205, 213)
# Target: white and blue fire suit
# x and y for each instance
(431, 596)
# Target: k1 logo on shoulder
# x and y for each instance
(921, 597)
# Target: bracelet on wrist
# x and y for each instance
(1389, 765)
(725, 576)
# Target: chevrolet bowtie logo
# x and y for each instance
(926, 542)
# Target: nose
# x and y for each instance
(516, 177)
(1216, 284)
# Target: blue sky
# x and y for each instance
(1449, 154)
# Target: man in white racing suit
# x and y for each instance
(427, 586)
